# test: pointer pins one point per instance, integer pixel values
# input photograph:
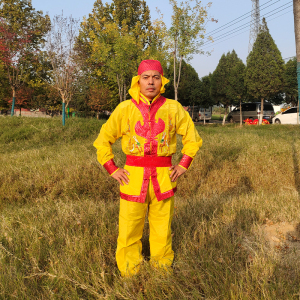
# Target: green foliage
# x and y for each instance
(227, 81)
(186, 33)
(290, 82)
(22, 34)
(205, 98)
(189, 90)
(5, 90)
(236, 87)
(114, 39)
(265, 67)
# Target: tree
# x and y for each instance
(265, 68)
(236, 87)
(66, 70)
(186, 34)
(227, 81)
(23, 97)
(114, 39)
(97, 98)
(205, 98)
(188, 92)
(290, 82)
(4, 88)
(220, 82)
(22, 31)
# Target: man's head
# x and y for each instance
(150, 81)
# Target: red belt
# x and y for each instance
(149, 161)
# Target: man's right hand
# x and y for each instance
(121, 176)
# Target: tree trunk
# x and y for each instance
(120, 86)
(63, 111)
(225, 114)
(20, 111)
(13, 101)
(296, 8)
(124, 91)
(175, 86)
(193, 112)
(204, 117)
(241, 114)
(178, 79)
(261, 111)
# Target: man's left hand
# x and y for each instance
(177, 172)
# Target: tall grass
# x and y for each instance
(59, 216)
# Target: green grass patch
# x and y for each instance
(217, 117)
(59, 221)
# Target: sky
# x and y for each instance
(278, 13)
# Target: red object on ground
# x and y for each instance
(256, 122)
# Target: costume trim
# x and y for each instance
(138, 199)
(148, 161)
(110, 167)
(185, 161)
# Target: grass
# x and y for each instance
(217, 117)
(59, 220)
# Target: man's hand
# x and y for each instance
(121, 176)
(177, 172)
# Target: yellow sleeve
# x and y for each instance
(190, 138)
(109, 133)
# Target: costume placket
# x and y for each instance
(150, 130)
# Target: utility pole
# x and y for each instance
(296, 8)
(254, 25)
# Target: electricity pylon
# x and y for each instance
(254, 25)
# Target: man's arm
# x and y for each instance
(190, 139)
(109, 133)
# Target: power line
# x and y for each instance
(208, 46)
(246, 25)
(239, 18)
(219, 29)
(289, 57)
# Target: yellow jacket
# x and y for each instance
(148, 130)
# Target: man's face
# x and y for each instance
(150, 84)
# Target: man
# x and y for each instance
(148, 124)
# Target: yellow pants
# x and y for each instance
(131, 225)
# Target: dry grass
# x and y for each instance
(59, 216)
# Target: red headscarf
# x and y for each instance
(150, 64)
(146, 65)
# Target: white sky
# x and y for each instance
(281, 24)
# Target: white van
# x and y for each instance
(198, 113)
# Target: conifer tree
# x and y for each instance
(219, 82)
(265, 68)
(236, 88)
(227, 81)
(290, 82)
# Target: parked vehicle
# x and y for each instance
(198, 113)
(287, 117)
(251, 111)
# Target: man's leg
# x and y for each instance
(160, 217)
(131, 225)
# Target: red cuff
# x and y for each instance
(186, 161)
(110, 167)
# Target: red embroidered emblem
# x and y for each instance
(150, 129)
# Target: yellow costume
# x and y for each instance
(148, 132)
